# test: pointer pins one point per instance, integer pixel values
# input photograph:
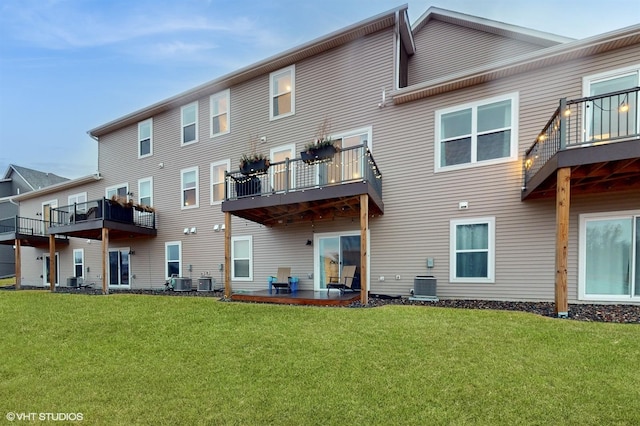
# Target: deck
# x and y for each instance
(300, 297)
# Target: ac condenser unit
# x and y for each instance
(424, 288)
(181, 284)
(204, 284)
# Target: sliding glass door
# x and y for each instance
(332, 253)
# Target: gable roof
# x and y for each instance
(66, 184)
(34, 178)
(531, 61)
(273, 63)
(529, 35)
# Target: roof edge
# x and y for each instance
(57, 187)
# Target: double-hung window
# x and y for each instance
(472, 251)
(282, 93)
(189, 184)
(219, 106)
(173, 259)
(145, 138)
(189, 117)
(218, 170)
(477, 133)
(242, 261)
(145, 191)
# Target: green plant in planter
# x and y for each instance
(323, 148)
(253, 163)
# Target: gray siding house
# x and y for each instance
(503, 161)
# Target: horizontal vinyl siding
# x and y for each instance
(443, 48)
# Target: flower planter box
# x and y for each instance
(249, 186)
(318, 155)
(254, 168)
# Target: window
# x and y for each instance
(189, 179)
(78, 263)
(145, 144)
(119, 268)
(218, 170)
(350, 160)
(282, 93)
(219, 106)
(479, 132)
(173, 256)
(242, 262)
(121, 190)
(189, 123)
(609, 259)
(472, 254)
(145, 191)
(80, 200)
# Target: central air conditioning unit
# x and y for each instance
(424, 288)
(181, 284)
(204, 284)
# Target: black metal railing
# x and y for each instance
(125, 212)
(594, 120)
(353, 164)
(23, 226)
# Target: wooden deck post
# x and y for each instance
(227, 255)
(18, 264)
(364, 228)
(52, 262)
(563, 202)
(105, 260)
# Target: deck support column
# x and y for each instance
(105, 260)
(227, 255)
(52, 262)
(18, 264)
(364, 228)
(563, 201)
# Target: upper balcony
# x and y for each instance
(30, 232)
(297, 190)
(86, 220)
(597, 137)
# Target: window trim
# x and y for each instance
(514, 97)
(112, 187)
(226, 94)
(227, 164)
(166, 260)
(291, 69)
(140, 124)
(81, 251)
(82, 208)
(491, 258)
(248, 238)
(182, 189)
(142, 180)
(183, 124)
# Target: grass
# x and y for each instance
(132, 359)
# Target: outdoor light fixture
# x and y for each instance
(309, 243)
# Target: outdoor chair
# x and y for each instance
(348, 281)
(282, 280)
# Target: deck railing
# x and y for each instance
(353, 164)
(23, 225)
(104, 209)
(594, 120)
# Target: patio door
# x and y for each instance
(279, 171)
(332, 253)
(119, 271)
(48, 214)
(47, 269)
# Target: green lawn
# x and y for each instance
(133, 359)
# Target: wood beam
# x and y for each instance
(52, 262)
(227, 255)
(18, 264)
(105, 260)
(364, 228)
(563, 201)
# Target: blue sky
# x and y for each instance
(67, 66)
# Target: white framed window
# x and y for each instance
(189, 184)
(472, 250)
(145, 138)
(173, 258)
(78, 263)
(145, 191)
(242, 258)
(278, 169)
(282, 93)
(121, 190)
(218, 170)
(351, 164)
(80, 200)
(609, 256)
(219, 107)
(189, 121)
(477, 133)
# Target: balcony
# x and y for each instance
(30, 232)
(597, 137)
(87, 220)
(294, 191)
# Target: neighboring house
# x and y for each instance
(502, 160)
(15, 181)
